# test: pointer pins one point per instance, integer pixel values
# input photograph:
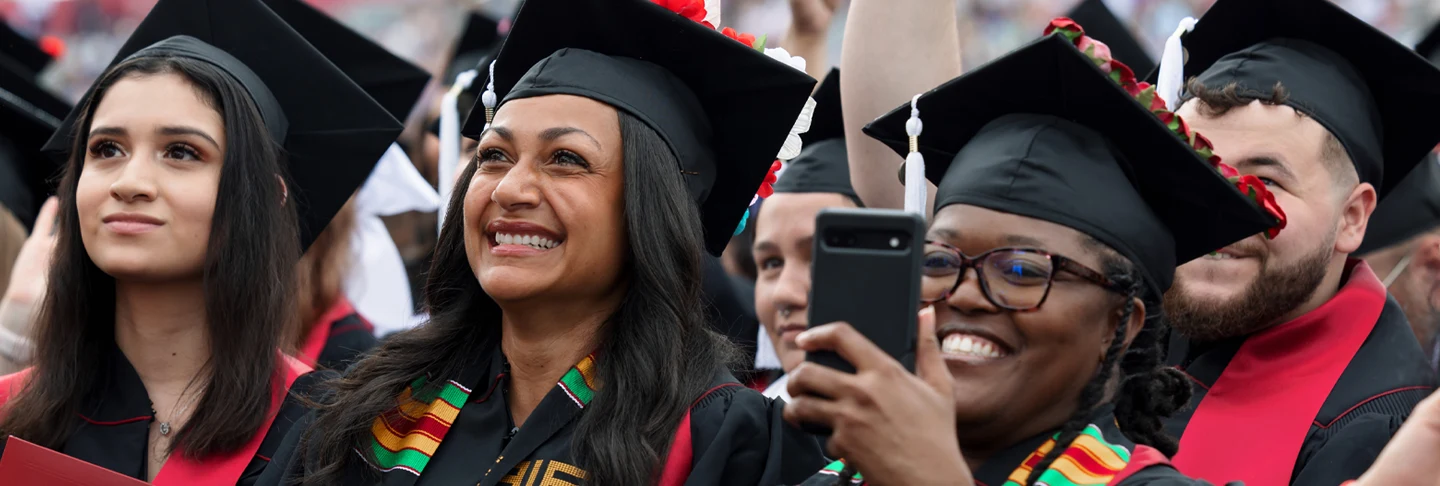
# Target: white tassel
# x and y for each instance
(1172, 66)
(450, 138)
(914, 162)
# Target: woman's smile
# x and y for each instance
(512, 238)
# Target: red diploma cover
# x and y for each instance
(26, 463)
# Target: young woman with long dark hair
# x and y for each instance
(1062, 209)
(567, 339)
(158, 343)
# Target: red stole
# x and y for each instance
(1251, 424)
(214, 471)
(225, 469)
(320, 331)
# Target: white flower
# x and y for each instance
(712, 13)
(792, 146)
(780, 54)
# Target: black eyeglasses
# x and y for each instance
(1016, 279)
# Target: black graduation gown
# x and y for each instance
(737, 436)
(1375, 393)
(340, 337)
(998, 470)
(114, 426)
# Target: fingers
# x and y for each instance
(811, 410)
(820, 380)
(847, 342)
(929, 362)
(45, 221)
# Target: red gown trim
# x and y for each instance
(1251, 425)
(319, 334)
(224, 470)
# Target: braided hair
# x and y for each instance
(1149, 391)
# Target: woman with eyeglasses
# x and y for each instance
(1061, 212)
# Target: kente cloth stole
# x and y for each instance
(1089, 461)
(406, 437)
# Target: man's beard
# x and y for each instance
(1274, 293)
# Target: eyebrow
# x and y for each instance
(1266, 161)
(171, 130)
(552, 134)
(165, 130)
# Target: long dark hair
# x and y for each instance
(248, 279)
(657, 353)
(1149, 391)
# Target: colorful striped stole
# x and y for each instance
(405, 437)
(1089, 461)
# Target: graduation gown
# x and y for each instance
(338, 339)
(1100, 456)
(114, 429)
(462, 433)
(1310, 401)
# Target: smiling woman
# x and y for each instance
(567, 338)
(158, 343)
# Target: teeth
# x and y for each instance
(956, 344)
(532, 241)
(1219, 256)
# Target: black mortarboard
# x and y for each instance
(823, 164)
(390, 80)
(1100, 23)
(1043, 133)
(1413, 207)
(22, 50)
(30, 115)
(1429, 47)
(478, 41)
(723, 108)
(1372, 93)
(333, 133)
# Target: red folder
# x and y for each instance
(26, 463)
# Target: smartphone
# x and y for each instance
(866, 271)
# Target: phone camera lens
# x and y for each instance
(894, 242)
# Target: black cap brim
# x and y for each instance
(1051, 77)
(22, 49)
(827, 122)
(30, 114)
(336, 132)
(390, 80)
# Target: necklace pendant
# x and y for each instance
(165, 428)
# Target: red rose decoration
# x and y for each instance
(767, 187)
(1252, 187)
(690, 9)
(1066, 27)
(747, 39)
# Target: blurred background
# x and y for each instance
(91, 31)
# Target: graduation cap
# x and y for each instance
(333, 133)
(823, 165)
(1413, 207)
(22, 50)
(1101, 24)
(390, 80)
(1372, 93)
(1429, 47)
(30, 114)
(723, 108)
(1043, 133)
(478, 41)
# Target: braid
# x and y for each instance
(1092, 396)
(1149, 390)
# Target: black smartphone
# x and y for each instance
(866, 271)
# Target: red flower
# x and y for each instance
(767, 187)
(1252, 187)
(747, 39)
(1094, 48)
(1225, 169)
(690, 9)
(1066, 27)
